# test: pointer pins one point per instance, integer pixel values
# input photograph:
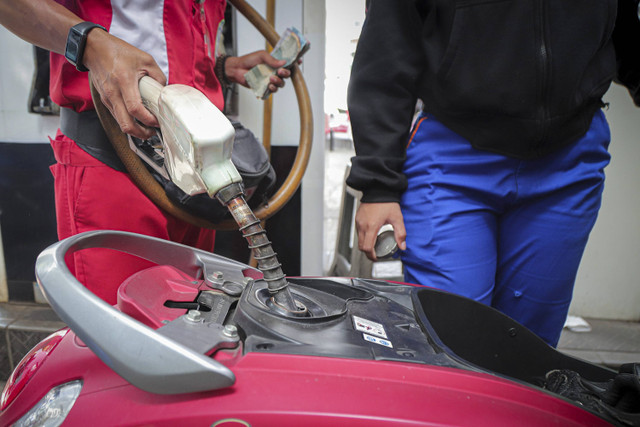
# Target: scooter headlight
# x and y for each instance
(53, 408)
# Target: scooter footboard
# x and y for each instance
(485, 337)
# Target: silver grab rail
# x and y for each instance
(139, 354)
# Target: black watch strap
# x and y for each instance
(76, 41)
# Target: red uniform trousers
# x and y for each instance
(92, 196)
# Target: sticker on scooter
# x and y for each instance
(364, 325)
(377, 340)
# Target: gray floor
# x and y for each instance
(610, 343)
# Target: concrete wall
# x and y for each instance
(608, 283)
(16, 124)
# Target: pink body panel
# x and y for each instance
(286, 390)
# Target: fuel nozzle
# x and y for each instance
(197, 140)
(232, 197)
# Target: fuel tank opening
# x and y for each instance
(300, 312)
(305, 306)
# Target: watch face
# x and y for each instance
(74, 50)
(73, 45)
(72, 53)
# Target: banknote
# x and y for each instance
(291, 46)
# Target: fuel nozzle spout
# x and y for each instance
(232, 197)
(197, 141)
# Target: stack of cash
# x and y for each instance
(291, 46)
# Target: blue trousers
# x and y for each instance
(506, 232)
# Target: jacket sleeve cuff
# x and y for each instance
(380, 196)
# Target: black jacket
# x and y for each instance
(516, 77)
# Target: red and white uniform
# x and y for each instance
(180, 35)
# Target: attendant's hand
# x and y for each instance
(116, 68)
(237, 66)
(370, 217)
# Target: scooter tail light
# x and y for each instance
(28, 366)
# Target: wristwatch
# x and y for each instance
(76, 41)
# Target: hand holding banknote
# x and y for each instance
(235, 68)
(290, 48)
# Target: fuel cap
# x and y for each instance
(386, 244)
